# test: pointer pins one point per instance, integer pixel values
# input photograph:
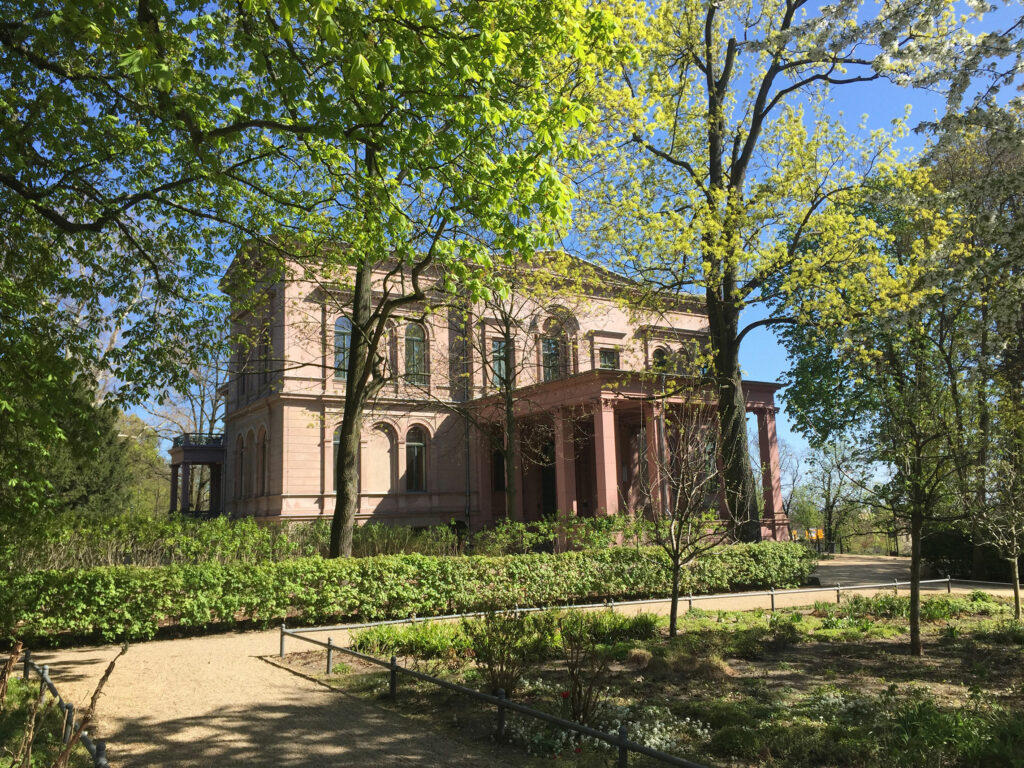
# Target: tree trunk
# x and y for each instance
(740, 490)
(916, 523)
(1015, 575)
(347, 497)
(673, 616)
(357, 391)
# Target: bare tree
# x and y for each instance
(197, 409)
(499, 335)
(685, 482)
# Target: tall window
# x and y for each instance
(500, 362)
(415, 355)
(265, 352)
(551, 358)
(610, 359)
(239, 470)
(342, 345)
(659, 360)
(247, 466)
(416, 460)
(261, 464)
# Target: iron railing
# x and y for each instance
(689, 599)
(197, 438)
(97, 749)
(619, 740)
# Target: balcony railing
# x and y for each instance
(195, 438)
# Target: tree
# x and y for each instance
(152, 140)
(499, 335)
(837, 477)
(685, 486)
(144, 465)
(445, 163)
(892, 380)
(196, 408)
(1001, 521)
(719, 163)
(115, 186)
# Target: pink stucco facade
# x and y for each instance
(426, 456)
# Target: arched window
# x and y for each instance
(551, 358)
(558, 344)
(261, 463)
(659, 360)
(416, 460)
(248, 465)
(415, 355)
(239, 470)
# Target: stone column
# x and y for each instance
(520, 479)
(174, 487)
(651, 415)
(565, 465)
(606, 459)
(771, 475)
(215, 492)
(186, 488)
(484, 483)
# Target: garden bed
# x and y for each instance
(823, 686)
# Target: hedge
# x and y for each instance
(122, 603)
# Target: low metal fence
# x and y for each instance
(97, 749)
(502, 704)
(619, 740)
(838, 589)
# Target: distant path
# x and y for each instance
(211, 701)
(862, 569)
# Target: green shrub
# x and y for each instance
(89, 541)
(506, 644)
(936, 608)
(424, 640)
(130, 603)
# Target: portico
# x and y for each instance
(584, 442)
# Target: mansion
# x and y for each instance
(585, 375)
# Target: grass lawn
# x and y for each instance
(831, 685)
(20, 713)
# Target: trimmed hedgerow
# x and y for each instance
(131, 603)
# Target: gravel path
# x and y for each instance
(211, 701)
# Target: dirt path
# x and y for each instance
(212, 701)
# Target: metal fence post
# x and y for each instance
(837, 594)
(773, 599)
(949, 585)
(690, 606)
(69, 723)
(28, 664)
(501, 715)
(393, 682)
(42, 682)
(330, 656)
(895, 586)
(623, 750)
(282, 639)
